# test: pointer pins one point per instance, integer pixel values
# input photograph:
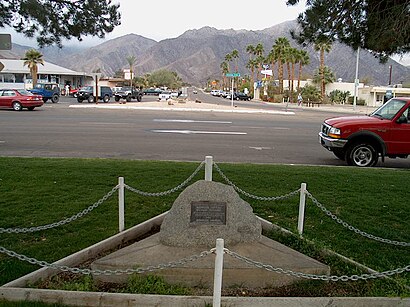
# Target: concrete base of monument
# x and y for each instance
(150, 252)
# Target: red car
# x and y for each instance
(361, 140)
(17, 99)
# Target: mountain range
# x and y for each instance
(196, 55)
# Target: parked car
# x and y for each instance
(17, 99)
(128, 93)
(215, 93)
(165, 95)
(194, 91)
(87, 93)
(47, 91)
(360, 140)
(242, 96)
(73, 92)
(152, 91)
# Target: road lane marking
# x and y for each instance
(101, 123)
(260, 148)
(199, 132)
(191, 121)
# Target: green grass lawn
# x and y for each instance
(37, 191)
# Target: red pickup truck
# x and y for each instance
(361, 140)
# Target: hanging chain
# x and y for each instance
(180, 186)
(265, 198)
(314, 276)
(104, 272)
(62, 222)
(350, 227)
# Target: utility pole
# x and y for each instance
(356, 80)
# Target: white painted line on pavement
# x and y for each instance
(199, 132)
(2, 142)
(191, 121)
(260, 148)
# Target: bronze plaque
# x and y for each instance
(208, 213)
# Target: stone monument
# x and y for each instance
(202, 213)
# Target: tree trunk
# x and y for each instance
(322, 72)
(280, 72)
(34, 75)
(300, 72)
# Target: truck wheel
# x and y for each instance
(128, 98)
(79, 100)
(139, 98)
(54, 98)
(362, 154)
(90, 99)
(117, 98)
(106, 98)
(45, 100)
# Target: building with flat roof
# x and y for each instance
(16, 75)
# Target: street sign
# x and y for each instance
(5, 42)
(268, 72)
(236, 74)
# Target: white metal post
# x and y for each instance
(232, 94)
(356, 80)
(208, 168)
(219, 260)
(302, 202)
(121, 220)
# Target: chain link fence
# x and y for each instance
(264, 198)
(64, 221)
(178, 187)
(350, 227)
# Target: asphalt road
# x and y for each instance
(55, 130)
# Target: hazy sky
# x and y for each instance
(160, 19)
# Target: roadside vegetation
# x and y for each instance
(37, 191)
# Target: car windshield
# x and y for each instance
(24, 92)
(86, 88)
(39, 85)
(389, 109)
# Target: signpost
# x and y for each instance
(5, 42)
(232, 75)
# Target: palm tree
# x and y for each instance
(224, 70)
(228, 59)
(251, 65)
(235, 57)
(259, 56)
(323, 45)
(279, 50)
(31, 59)
(272, 60)
(251, 50)
(131, 62)
(303, 60)
(293, 54)
(323, 76)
